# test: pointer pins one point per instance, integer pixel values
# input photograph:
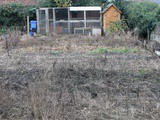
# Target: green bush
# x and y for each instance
(47, 3)
(14, 14)
(87, 3)
(142, 15)
(63, 3)
(118, 26)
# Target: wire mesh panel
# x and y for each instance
(77, 15)
(62, 28)
(50, 14)
(61, 14)
(75, 25)
(83, 31)
(78, 31)
(93, 15)
(42, 22)
(61, 21)
(51, 21)
(88, 31)
(42, 27)
(51, 26)
(94, 24)
(42, 15)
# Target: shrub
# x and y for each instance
(63, 3)
(87, 3)
(14, 14)
(47, 3)
(142, 15)
(118, 26)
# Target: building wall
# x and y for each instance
(109, 16)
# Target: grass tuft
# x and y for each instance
(98, 51)
(55, 52)
(114, 50)
(123, 50)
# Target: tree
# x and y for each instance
(47, 3)
(120, 4)
(142, 15)
(14, 14)
(87, 2)
(66, 3)
(80, 2)
(63, 3)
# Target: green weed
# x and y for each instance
(114, 50)
(55, 52)
(123, 50)
(98, 51)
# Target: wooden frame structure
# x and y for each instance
(67, 20)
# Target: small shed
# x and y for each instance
(110, 14)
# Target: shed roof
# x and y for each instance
(82, 8)
(108, 6)
(89, 8)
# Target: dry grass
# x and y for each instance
(75, 85)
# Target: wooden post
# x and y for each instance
(85, 19)
(69, 26)
(37, 13)
(54, 29)
(47, 21)
(54, 21)
(102, 24)
(28, 25)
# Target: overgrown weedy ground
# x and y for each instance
(79, 78)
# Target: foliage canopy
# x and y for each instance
(63, 3)
(143, 15)
(14, 14)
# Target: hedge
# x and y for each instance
(14, 14)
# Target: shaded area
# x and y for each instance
(66, 91)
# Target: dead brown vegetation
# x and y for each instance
(36, 84)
